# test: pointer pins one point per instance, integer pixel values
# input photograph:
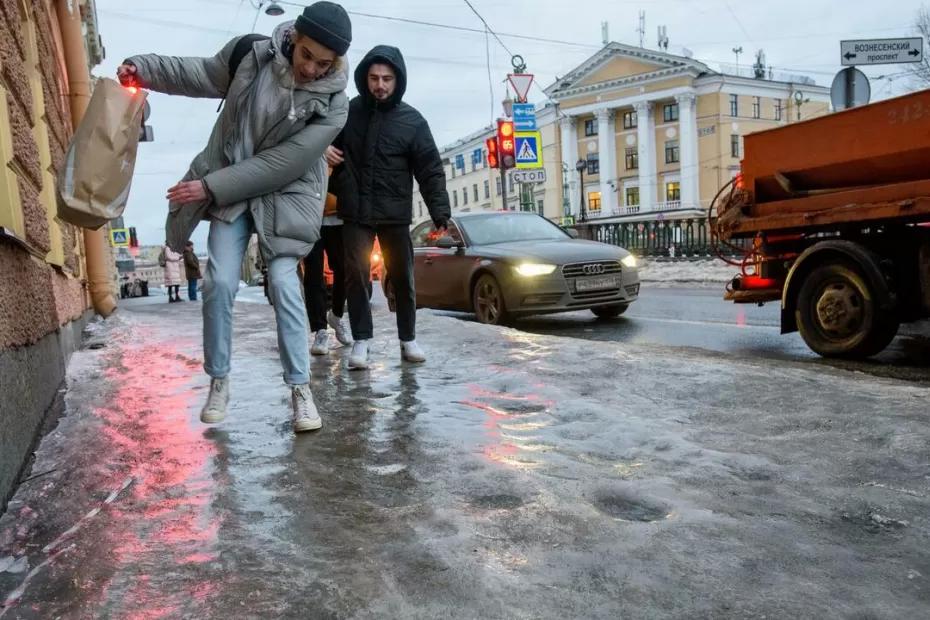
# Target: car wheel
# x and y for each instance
(837, 314)
(610, 312)
(489, 301)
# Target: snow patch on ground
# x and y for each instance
(705, 271)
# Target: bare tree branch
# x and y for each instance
(921, 70)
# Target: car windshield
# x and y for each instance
(501, 228)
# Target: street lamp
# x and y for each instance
(508, 106)
(581, 166)
(273, 10)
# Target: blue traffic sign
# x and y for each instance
(528, 149)
(524, 117)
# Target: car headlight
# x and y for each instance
(530, 270)
(629, 261)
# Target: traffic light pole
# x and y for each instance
(504, 187)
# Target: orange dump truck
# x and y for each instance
(836, 212)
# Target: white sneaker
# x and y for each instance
(411, 352)
(358, 359)
(304, 410)
(215, 410)
(343, 333)
(320, 344)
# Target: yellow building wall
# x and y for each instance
(619, 68)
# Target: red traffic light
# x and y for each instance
(493, 159)
(506, 140)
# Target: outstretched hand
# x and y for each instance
(187, 192)
(126, 74)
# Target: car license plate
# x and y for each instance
(602, 283)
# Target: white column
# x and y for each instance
(607, 149)
(569, 127)
(646, 137)
(688, 144)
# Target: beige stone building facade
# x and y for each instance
(660, 133)
(44, 300)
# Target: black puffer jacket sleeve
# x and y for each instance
(429, 173)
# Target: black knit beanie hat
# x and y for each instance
(326, 23)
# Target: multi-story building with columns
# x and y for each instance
(661, 134)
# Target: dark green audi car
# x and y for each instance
(507, 264)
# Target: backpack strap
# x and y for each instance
(240, 51)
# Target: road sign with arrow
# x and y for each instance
(881, 51)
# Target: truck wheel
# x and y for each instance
(837, 314)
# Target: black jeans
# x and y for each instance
(397, 251)
(314, 282)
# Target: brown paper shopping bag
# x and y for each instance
(93, 184)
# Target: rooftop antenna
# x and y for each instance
(758, 69)
(663, 38)
(642, 28)
(605, 36)
(737, 51)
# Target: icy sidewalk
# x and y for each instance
(513, 475)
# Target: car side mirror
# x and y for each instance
(572, 233)
(447, 243)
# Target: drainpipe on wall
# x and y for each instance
(72, 34)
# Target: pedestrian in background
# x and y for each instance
(191, 270)
(262, 172)
(385, 144)
(330, 243)
(172, 267)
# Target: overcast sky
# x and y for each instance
(448, 68)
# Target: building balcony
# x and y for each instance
(630, 210)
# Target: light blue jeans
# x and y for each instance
(226, 245)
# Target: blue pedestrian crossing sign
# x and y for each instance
(119, 238)
(528, 149)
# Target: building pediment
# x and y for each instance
(617, 66)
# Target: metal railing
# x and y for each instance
(672, 237)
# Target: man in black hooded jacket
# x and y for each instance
(384, 145)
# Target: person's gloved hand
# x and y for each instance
(126, 74)
(440, 223)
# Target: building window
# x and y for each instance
(673, 191)
(420, 208)
(539, 207)
(455, 198)
(487, 190)
(632, 196)
(778, 109)
(671, 152)
(590, 127)
(670, 112)
(498, 185)
(757, 107)
(464, 195)
(630, 121)
(632, 158)
(734, 145)
(475, 187)
(734, 105)
(594, 201)
(594, 163)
